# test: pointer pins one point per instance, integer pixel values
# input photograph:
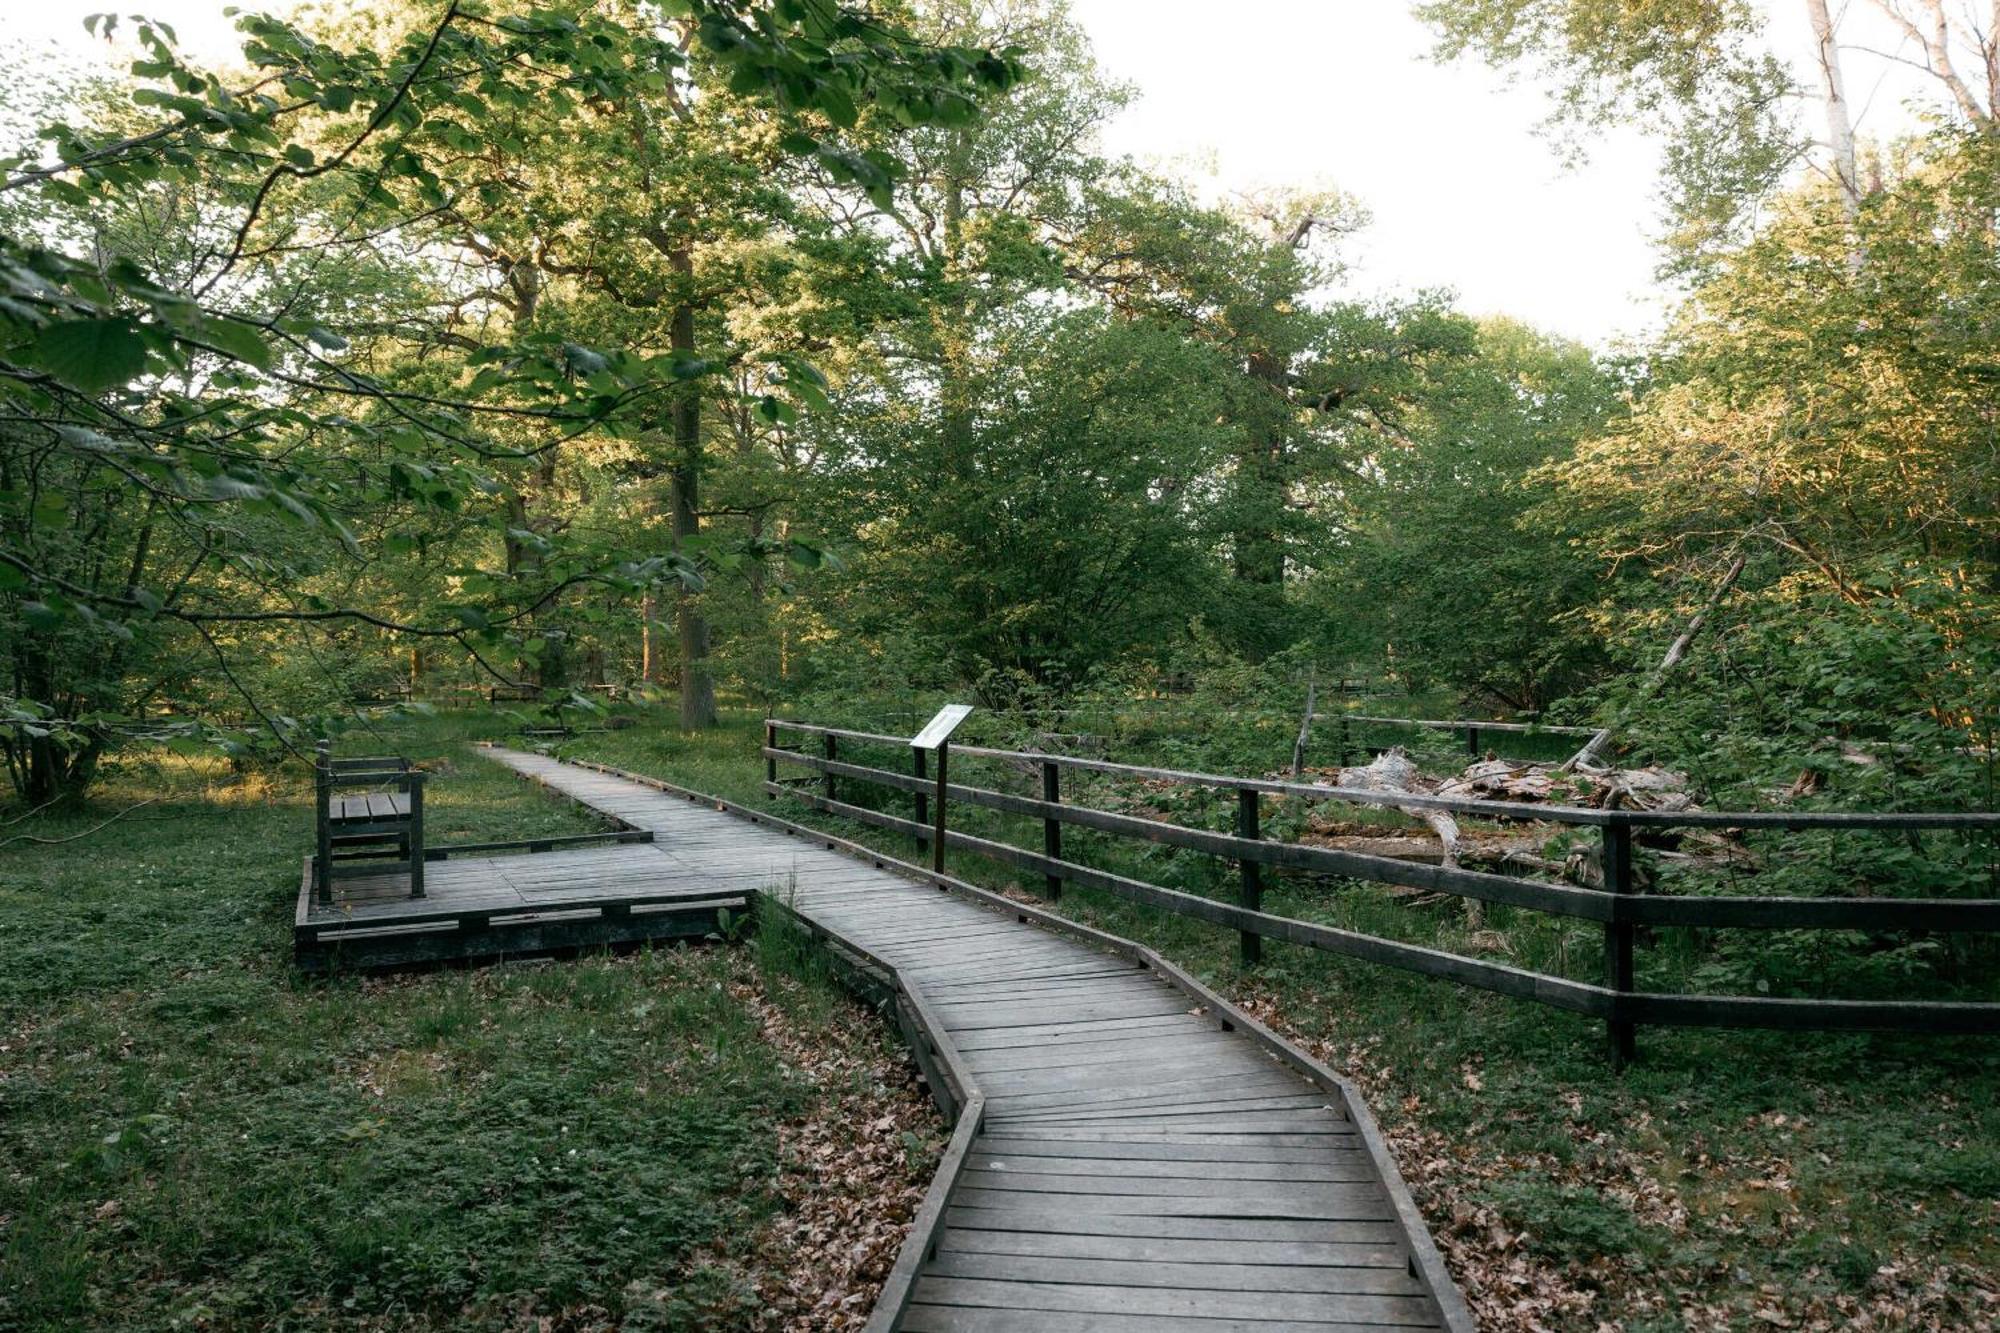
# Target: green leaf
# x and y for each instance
(91, 354)
(238, 340)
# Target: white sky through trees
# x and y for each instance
(1463, 192)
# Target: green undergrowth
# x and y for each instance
(1809, 1176)
(194, 1135)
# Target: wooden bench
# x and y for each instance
(386, 821)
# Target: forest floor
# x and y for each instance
(194, 1135)
(1727, 1181)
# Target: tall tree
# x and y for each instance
(1449, 570)
(223, 391)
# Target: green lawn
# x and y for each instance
(196, 1136)
(1728, 1181)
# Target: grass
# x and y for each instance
(1730, 1180)
(194, 1135)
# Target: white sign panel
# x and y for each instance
(939, 728)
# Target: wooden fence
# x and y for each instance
(1476, 732)
(1620, 906)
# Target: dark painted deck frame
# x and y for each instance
(1130, 1152)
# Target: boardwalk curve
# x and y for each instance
(1135, 1153)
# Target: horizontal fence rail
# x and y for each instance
(1619, 907)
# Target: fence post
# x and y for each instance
(770, 760)
(1618, 939)
(1472, 741)
(323, 799)
(1252, 896)
(831, 749)
(1342, 752)
(1051, 827)
(922, 799)
(416, 842)
(937, 825)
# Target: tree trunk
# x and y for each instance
(1256, 552)
(649, 648)
(1305, 731)
(697, 687)
(1839, 120)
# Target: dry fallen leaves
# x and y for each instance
(855, 1170)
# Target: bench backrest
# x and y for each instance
(381, 770)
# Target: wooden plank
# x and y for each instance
(1210, 1276)
(987, 1014)
(1116, 983)
(1038, 1034)
(1055, 1218)
(1184, 1095)
(1218, 1191)
(1021, 1145)
(1309, 1309)
(1322, 1168)
(925, 1318)
(1083, 968)
(1072, 1054)
(1204, 1118)
(1166, 1250)
(1211, 1068)
(1361, 1204)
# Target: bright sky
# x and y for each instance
(1463, 193)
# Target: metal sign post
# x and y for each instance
(936, 738)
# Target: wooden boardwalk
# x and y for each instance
(1144, 1160)
(486, 906)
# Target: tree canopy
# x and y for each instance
(758, 350)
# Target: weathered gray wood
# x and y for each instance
(1220, 1191)
(1132, 1116)
(1021, 1144)
(1382, 1311)
(927, 1318)
(1326, 1132)
(1249, 1278)
(1359, 1204)
(988, 1156)
(1072, 1054)
(1053, 1218)
(1164, 1250)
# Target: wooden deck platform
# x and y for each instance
(1137, 1154)
(510, 903)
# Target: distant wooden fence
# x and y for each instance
(1476, 732)
(1620, 907)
